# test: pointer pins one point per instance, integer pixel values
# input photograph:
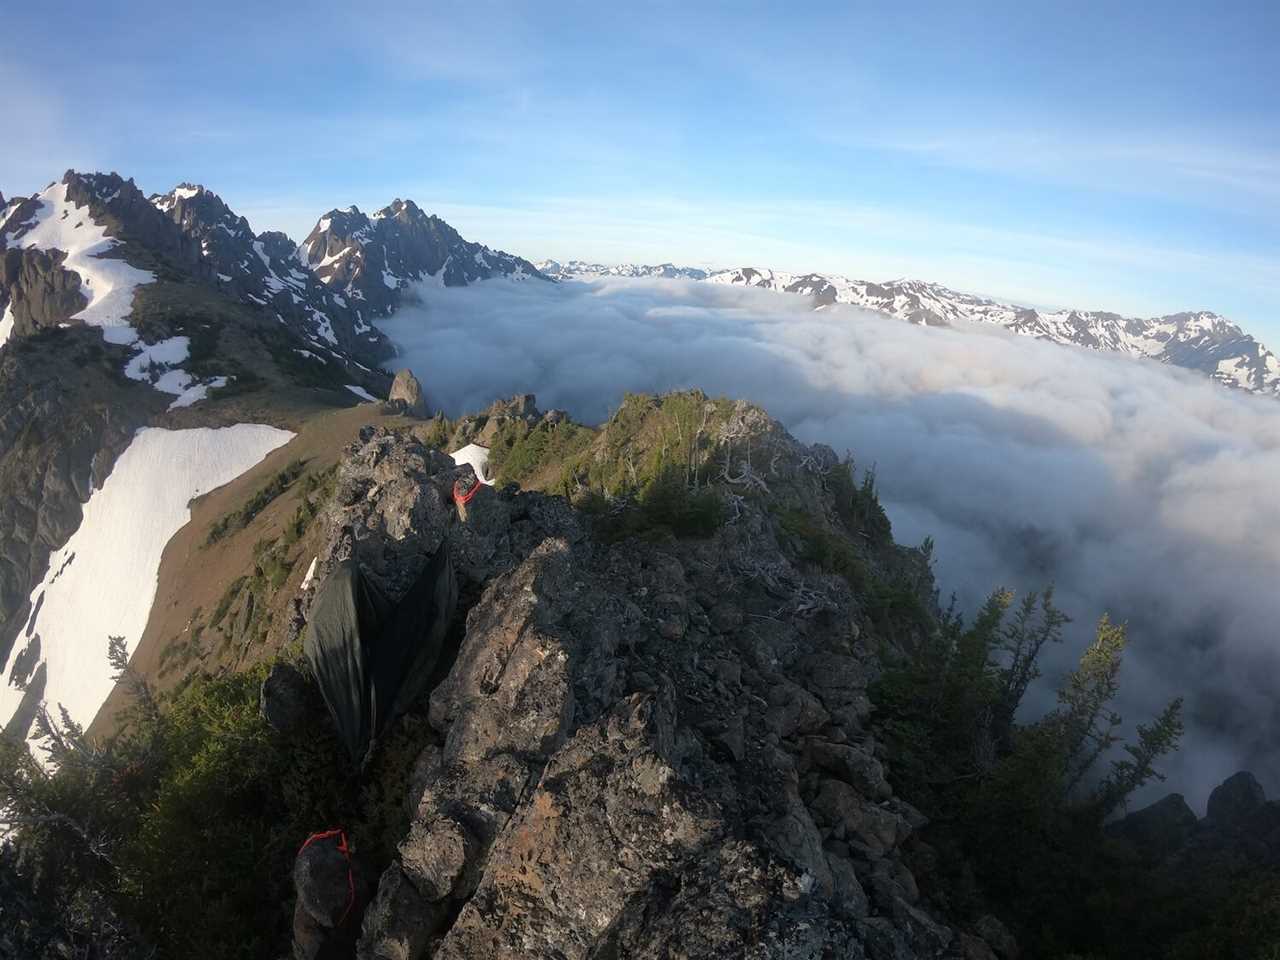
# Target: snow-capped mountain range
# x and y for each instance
(581, 270)
(263, 269)
(1198, 340)
(77, 252)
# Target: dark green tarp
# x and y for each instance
(373, 657)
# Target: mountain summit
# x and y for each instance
(371, 260)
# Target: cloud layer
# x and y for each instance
(1139, 490)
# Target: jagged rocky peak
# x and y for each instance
(263, 270)
(1239, 831)
(107, 200)
(201, 211)
(644, 748)
(76, 252)
(372, 259)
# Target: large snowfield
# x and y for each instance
(103, 581)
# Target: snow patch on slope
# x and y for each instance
(103, 581)
(6, 325)
(107, 284)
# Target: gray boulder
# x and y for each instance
(406, 389)
(283, 700)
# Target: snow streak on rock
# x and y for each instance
(108, 284)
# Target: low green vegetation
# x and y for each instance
(823, 548)
(666, 506)
(436, 432)
(240, 518)
(520, 455)
(183, 828)
(225, 601)
(244, 610)
(1018, 807)
(642, 473)
(316, 488)
(648, 437)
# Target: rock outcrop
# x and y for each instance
(371, 260)
(1240, 832)
(40, 293)
(406, 389)
(647, 749)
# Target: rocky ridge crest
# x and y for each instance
(371, 260)
(646, 749)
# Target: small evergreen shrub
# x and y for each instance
(242, 517)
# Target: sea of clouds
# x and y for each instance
(1140, 490)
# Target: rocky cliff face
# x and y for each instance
(370, 260)
(264, 270)
(1239, 832)
(648, 749)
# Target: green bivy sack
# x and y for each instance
(372, 657)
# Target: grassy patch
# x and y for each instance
(241, 518)
(316, 488)
(822, 548)
(272, 563)
(546, 446)
(226, 600)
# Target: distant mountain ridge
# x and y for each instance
(121, 311)
(351, 269)
(581, 270)
(263, 269)
(1196, 340)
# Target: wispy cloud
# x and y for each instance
(1202, 167)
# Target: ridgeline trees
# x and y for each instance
(1019, 807)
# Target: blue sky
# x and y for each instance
(1120, 156)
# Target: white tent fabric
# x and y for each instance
(477, 456)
